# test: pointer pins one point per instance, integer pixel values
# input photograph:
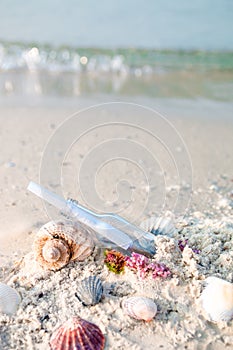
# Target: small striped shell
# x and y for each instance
(77, 334)
(159, 226)
(58, 243)
(9, 299)
(217, 299)
(140, 308)
(90, 290)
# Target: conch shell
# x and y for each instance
(58, 243)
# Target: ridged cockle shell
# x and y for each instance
(77, 334)
(163, 225)
(217, 299)
(9, 299)
(90, 290)
(140, 308)
(58, 243)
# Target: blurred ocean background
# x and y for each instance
(154, 48)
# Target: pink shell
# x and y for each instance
(77, 334)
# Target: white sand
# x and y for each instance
(180, 322)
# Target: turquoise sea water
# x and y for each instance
(154, 48)
(44, 70)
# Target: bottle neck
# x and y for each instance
(82, 214)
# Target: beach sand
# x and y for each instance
(208, 223)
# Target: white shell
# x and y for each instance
(140, 308)
(9, 299)
(159, 225)
(217, 299)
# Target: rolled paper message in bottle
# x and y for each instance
(109, 227)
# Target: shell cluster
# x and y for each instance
(9, 299)
(58, 243)
(163, 225)
(77, 334)
(140, 308)
(90, 291)
(217, 299)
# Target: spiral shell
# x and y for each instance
(163, 225)
(217, 299)
(90, 290)
(58, 243)
(140, 308)
(9, 299)
(77, 334)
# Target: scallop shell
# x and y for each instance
(217, 299)
(9, 299)
(58, 243)
(159, 225)
(77, 334)
(140, 308)
(90, 290)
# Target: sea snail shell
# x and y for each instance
(58, 243)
